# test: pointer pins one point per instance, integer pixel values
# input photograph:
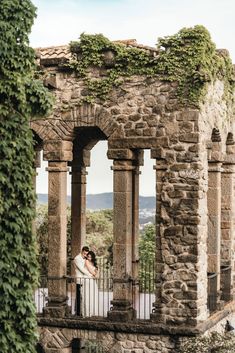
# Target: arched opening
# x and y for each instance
(86, 346)
(91, 219)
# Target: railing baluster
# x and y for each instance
(95, 303)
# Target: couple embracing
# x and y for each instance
(86, 271)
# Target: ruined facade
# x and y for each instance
(194, 154)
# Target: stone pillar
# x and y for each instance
(57, 152)
(123, 229)
(227, 220)
(78, 201)
(214, 209)
(161, 169)
(180, 230)
(135, 225)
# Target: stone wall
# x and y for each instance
(191, 150)
(60, 341)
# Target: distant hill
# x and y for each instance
(104, 201)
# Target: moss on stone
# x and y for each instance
(188, 58)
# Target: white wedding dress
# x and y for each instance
(91, 296)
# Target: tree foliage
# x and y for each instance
(99, 234)
(147, 247)
(213, 342)
(21, 96)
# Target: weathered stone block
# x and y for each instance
(173, 231)
(189, 137)
(57, 150)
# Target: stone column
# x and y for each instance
(227, 220)
(214, 208)
(57, 153)
(78, 201)
(135, 225)
(161, 169)
(122, 248)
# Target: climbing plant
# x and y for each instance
(188, 58)
(21, 96)
(213, 342)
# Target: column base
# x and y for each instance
(55, 311)
(121, 311)
(56, 308)
(157, 317)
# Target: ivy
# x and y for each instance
(21, 97)
(188, 58)
(213, 342)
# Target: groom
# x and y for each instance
(80, 272)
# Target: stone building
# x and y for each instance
(194, 152)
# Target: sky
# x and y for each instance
(60, 21)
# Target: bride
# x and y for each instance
(91, 286)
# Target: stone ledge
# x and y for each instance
(216, 317)
(143, 327)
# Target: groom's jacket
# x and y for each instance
(80, 270)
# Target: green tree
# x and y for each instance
(147, 246)
(100, 231)
(99, 234)
(21, 97)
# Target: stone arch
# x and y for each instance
(80, 116)
(66, 338)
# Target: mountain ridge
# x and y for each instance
(104, 201)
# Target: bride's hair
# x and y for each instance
(93, 258)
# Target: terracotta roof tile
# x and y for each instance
(54, 52)
(62, 51)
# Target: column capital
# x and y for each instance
(228, 168)
(57, 166)
(229, 159)
(121, 154)
(78, 169)
(57, 150)
(123, 165)
(81, 158)
(214, 166)
(215, 151)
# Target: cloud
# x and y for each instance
(61, 21)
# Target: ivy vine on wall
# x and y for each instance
(21, 97)
(188, 58)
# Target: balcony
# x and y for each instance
(87, 297)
